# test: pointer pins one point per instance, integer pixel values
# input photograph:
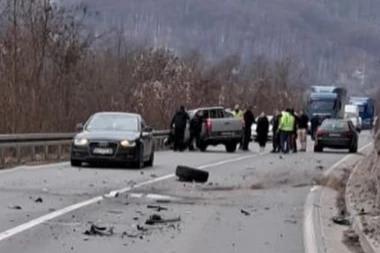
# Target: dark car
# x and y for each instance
(114, 137)
(336, 134)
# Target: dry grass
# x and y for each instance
(351, 240)
(55, 73)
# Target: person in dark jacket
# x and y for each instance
(249, 119)
(262, 130)
(276, 136)
(179, 121)
(314, 125)
(303, 121)
(196, 124)
(293, 136)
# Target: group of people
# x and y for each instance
(288, 126)
(179, 121)
(248, 120)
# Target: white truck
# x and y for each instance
(352, 112)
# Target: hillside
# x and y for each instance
(337, 39)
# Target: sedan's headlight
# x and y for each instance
(80, 142)
(126, 143)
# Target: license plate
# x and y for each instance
(227, 133)
(334, 135)
(103, 151)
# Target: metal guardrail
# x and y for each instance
(17, 149)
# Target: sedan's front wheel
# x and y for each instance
(353, 149)
(139, 163)
(75, 163)
(150, 162)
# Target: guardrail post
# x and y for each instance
(59, 148)
(2, 157)
(18, 154)
(46, 151)
(33, 153)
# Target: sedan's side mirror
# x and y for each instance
(79, 127)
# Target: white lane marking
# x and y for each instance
(309, 233)
(28, 225)
(345, 158)
(13, 231)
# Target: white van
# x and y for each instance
(352, 112)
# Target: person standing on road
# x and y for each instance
(286, 129)
(249, 119)
(196, 124)
(179, 121)
(314, 125)
(276, 135)
(238, 113)
(303, 121)
(262, 130)
(293, 137)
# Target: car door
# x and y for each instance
(147, 139)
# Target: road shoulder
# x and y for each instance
(361, 203)
(320, 233)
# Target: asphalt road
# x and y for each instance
(272, 188)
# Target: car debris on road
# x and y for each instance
(101, 231)
(157, 219)
(158, 208)
(15, 207)
(341, 220)
(39, 200)
(245, 212)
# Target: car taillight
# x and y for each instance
(208, 125)
(320, 133)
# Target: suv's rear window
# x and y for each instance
(335, 125)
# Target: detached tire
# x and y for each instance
(188, 174)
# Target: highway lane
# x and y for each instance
(62, 185)
(213, 223)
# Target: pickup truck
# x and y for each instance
(221, 127)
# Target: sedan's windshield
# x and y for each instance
(113, 122)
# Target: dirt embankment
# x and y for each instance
(363, 196)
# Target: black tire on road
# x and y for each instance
(231, 147)
(75, 163)
(188, 174)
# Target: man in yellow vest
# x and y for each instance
(239, 114)
(286, 128)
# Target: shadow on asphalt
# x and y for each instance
(114, 166)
